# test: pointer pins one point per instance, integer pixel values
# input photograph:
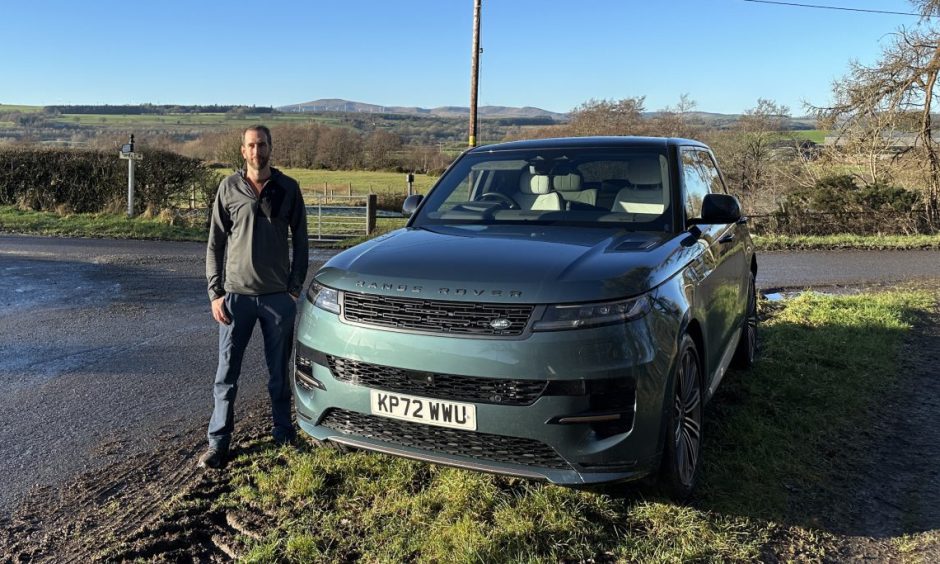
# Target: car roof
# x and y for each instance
(578, 142)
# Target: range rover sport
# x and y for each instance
(557, 309)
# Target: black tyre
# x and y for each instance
(746, 352)
(683, 449)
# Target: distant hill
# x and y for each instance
(711, 119)
(339, 105)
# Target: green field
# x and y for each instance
(4, 108)
(190, 119)
(817, 136)
(341, 182)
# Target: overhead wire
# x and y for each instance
(822, 7)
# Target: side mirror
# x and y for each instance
(411, 204)
(720, 208)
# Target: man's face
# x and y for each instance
(256, 150)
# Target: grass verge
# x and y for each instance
(823, 360)
(13, 220)
(846, 241)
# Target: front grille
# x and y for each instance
(433, 316)
(442, 386)
(481, 446)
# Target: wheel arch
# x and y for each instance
(689, 326)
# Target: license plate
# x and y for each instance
(441, 413)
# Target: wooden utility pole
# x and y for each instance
(475, 72)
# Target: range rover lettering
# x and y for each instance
(557, 309)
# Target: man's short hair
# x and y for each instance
(261, 129)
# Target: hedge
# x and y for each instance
(94, 181)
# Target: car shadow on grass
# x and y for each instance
(835, 428)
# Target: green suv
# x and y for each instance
(558, 309)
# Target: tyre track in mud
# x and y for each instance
(146, 507)
(75, 522)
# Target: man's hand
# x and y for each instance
(218, 311)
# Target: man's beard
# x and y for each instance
(259, 162)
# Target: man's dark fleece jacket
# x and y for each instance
(248, 239)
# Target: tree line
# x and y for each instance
(151, 109)
(318, 146)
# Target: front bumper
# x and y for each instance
(522, 440)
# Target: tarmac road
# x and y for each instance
(104, 345)
(802, 269)
(107, 347)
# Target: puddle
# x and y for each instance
(48, 284)
(784, 295)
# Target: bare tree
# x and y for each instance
(674, 121)
(608, 117)
(597, 117)
(339, 148)
(874, 107)
(380, 148)
(747, 151)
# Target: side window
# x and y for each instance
(700, 177)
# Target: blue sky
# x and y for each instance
(550, 54)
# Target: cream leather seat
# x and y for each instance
(645, 193)
(568, 186)
(535, 193)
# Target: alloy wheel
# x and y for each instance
(751, 323)
(687, 417)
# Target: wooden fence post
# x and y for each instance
(371, 203)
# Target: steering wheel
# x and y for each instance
(500, 197)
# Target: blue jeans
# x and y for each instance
(275, 313)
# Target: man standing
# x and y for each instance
(254, 278)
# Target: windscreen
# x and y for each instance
(586, 186)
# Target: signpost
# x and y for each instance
(127, 152)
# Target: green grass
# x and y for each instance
(824, 361)
(4, 108)
(313, 182)
(13, 220)
(188, 119)
(815, 135)
(330, 507)
(846, 241)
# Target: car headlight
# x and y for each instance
(578, 316)
(324, 298)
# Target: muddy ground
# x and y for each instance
(157, 505)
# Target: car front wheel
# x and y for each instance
(683, 448)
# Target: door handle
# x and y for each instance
(726, 238)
